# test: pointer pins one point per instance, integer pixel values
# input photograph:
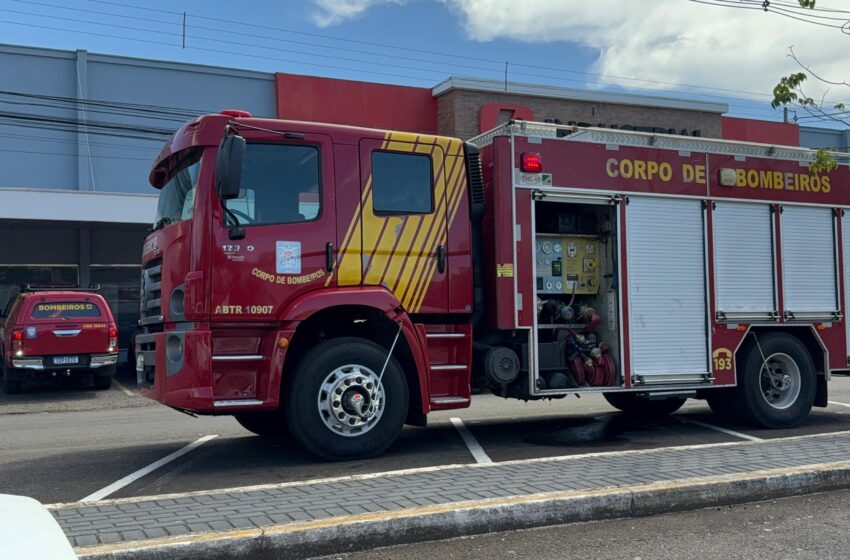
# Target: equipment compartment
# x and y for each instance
(577, 331)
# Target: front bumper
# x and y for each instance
(177, 368)
(174, 368)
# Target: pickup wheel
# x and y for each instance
(776, 382)
(643, 407)
(271, 423)
(10, 386)
(103, 378)
(339, 407)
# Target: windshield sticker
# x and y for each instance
(288, 257)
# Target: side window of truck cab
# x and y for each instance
(280, 185)
(402, 184)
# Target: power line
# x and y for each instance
(5, 150)
(500, 63)
(347, 68)
(800, 14)
(135, 107)
(99, 144)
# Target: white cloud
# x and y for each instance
(332, 12)
(666, 40)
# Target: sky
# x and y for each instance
(676, 48)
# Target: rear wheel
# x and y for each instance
(10, 386)
(776, 382)
(339, 407)
(103, 378)
(643, 407)
(722, 404)
(271, 423)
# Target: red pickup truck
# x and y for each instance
(52, 333)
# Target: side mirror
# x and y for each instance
(228, 167)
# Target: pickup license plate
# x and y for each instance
(64, 360)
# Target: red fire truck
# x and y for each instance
(335, 283)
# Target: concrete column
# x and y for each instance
(85, 180)
(85, 257)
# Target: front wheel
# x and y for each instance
(339, 406)
(265, 423)
(643, 407)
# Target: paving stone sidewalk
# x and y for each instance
(93, 524)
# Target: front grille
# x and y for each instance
(151, 296)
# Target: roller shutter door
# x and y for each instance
(808, 260)
(666, 279)
(743, 257)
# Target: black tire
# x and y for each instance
(748, 400)
(11, 386)
(722, 403)
(634, 405)
(271, 423)
(307, 423)
(103, 378)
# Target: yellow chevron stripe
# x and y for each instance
(427, 242)
(416, 296)
(409, 253)
(458, 183)
(387, 230)
(349, 259)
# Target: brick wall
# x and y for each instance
(458, 112)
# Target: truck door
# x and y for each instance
(404, 217)
(271, 244)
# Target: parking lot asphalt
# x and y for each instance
(66, 444)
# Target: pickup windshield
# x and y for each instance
(65, 310)
(177, 196)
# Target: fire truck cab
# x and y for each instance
(335, 283)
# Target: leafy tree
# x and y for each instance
(791, 91)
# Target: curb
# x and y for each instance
(295, 541)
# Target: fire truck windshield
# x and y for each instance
(177, 196)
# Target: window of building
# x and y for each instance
(120, 286)
(280, 185)
(13, 276)
(401, 184)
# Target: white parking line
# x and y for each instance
(123, 388)
(130, 478)
(723, 430)
(453, 466)
(839, 403)
(472, 444)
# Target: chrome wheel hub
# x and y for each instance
(351, 400)
(780, 380)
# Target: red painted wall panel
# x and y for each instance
(765, 132)
(311, 98)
